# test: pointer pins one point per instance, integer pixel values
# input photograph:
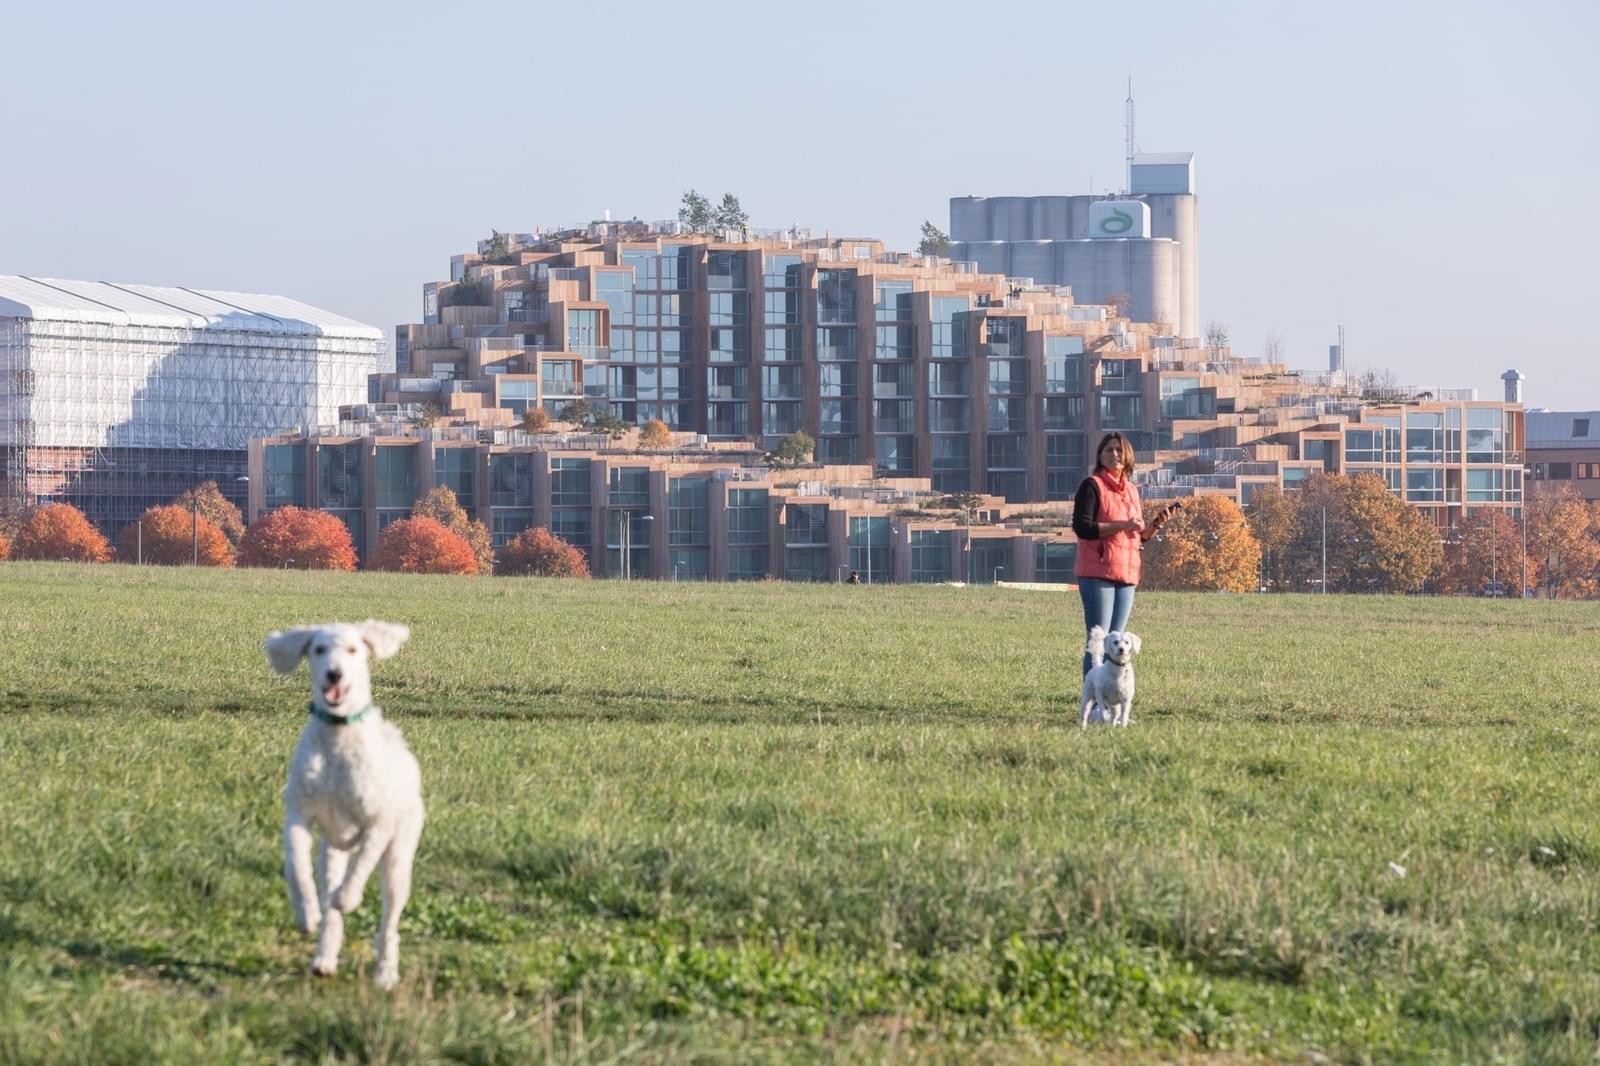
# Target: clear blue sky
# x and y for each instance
(1429, 171)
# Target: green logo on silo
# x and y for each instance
(1118, 221)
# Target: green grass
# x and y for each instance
(777, 823)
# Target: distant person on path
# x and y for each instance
(1109, 523)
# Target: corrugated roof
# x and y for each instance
(1552, 429)
(155, 305)
(1163, 159)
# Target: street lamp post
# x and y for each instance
(997, 572)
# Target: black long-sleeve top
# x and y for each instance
(1085, 505)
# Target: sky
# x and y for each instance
(1426, 173)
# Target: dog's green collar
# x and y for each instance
(334, 719)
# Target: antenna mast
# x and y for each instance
(1129, 144)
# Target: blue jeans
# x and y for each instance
(1106, 604)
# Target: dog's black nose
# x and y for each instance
(334, 675)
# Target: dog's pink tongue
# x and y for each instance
(333, 694)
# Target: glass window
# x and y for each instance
(782, 346)
(286, 475)
(569, 482)
(1120, 375)
(836, 380)
(1063, 412)
(1423, 486)
(893, 380)
(727, 270)
(1008, 413)
(892, 301)
(836, 343)
(841, 449)
(511, 480)
(747, 516)
(948, 379)
(869, 547)
(687, 512)
(456, 468)
(1063, 364)
(1065, 451)
(615, 287)
(782, 418)
(747, 564)
(805, 524)
(573, 525)
(782, 382)
(896, 342)
(951, 452)
(781, 271)
(1424, 437)
(1004, 337)
(506, 522)
(1485, 435)
(949, 416)
(893, 416)
(629, 486)
(836, 416)
(1008, 375)
(583, 333)
(930, 555)
(836, 297)
(339, 476)
(1120, 412)
(1054, 563)
(397, 475)
(1006, 451)
(894, 454)
(1485, 486)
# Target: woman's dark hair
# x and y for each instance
(1127, 452)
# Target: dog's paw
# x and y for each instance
(321, 967)
(348, 899)
(309, 922)
(386, 977)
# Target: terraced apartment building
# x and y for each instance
(917, 377)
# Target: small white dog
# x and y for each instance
(354, 780)
(1108, 686)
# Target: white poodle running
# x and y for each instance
(353, 779)
(1108, 686)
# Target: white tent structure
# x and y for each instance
(114, 397)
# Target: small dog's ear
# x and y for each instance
(383, 638)
(1133, 642)
(285, 649)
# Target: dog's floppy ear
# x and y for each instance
(384, 638)
(285, 649)
(1097, 640)
(1133, 642)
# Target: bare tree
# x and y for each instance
(1272, 348)
(1216, 336)
(1120, 302)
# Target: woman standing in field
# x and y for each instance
(1109, 524)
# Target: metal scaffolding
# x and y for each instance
(117, 411)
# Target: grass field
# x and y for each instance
(776, 823)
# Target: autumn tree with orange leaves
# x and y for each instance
(174, 536)
(654, 435)
(423, 545)
(5, 547)
(1564, 536)
(1376, 542)
(1205, 546)
(1486, 548)
(539, 553)
(60, 531)
(440, 504)
(298, 538)
(1273, 515)
(216, 507)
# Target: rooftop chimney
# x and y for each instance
(1513, 379)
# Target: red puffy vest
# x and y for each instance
(1116, 557)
